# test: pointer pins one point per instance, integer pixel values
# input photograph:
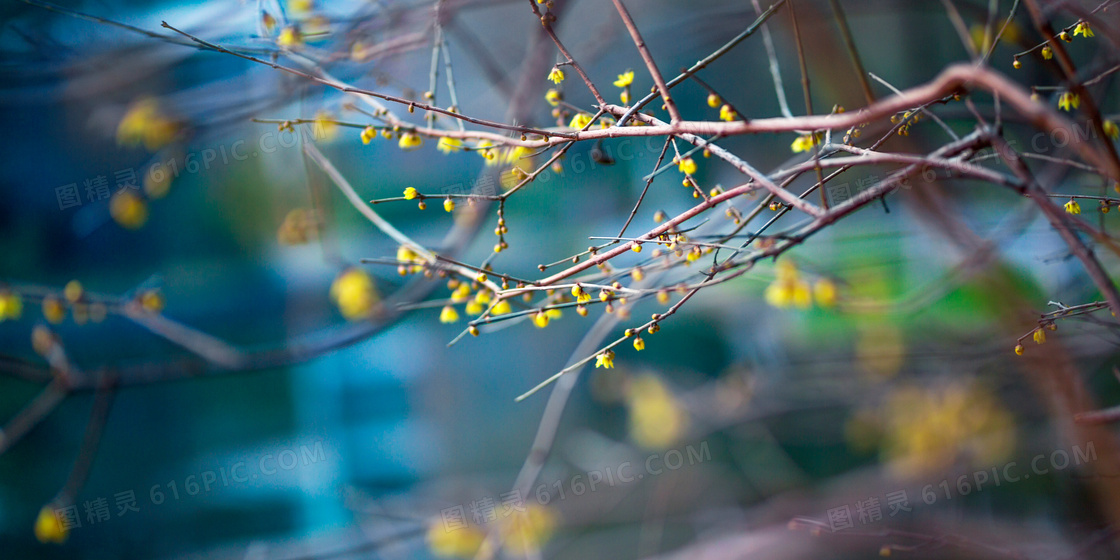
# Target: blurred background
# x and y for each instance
(132, 164)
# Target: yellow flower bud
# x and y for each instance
(49, 528)
(448, 314)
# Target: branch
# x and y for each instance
(670, 105)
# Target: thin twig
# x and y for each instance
(651, 65)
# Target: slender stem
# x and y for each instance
(30, 416)
(651, 65)
(703, 63)
(546, 21)
(645, 189)
(807, 92)
(853, 53)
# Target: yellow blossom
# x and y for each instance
(788, 288)
(524, 533)
(825, 292)
(687, 166)
(1073, 207)
(580, 121)
(73, 291)
(556, 75)
(461, 542)
(152, 301)
(300, 6)
(805, 142)
(927, 429)
(49, 528)
(714, 100)
(448, 145)
(802, 294)
(487, 150)
(540, 319)
(410, 193)
(157, 182)
(1082, 29)
(269, 22)
(624, 97)
(368, 134)
(325, 126)
(980, 38)
(1111, 130)
(605, 360)
(516, 154)
(128, 209)
(410, 141)
(405, 254)
(656, 419)
(726, 113)
(11, 306)
(81, 313)
(580, 294)
(461, 293)
(553, 97)
(1019, 349)
(474, 308)
(54, 311)
(1069, 101)
(639, 344)
(501, 308)
(554, 313)
(144, 123)
(1039, 336)
(448, 204)
(358, 51)
(625, 79)
(1047, 52)
(448, 314)
(290, 38)
(354, 293)
(483, 296)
